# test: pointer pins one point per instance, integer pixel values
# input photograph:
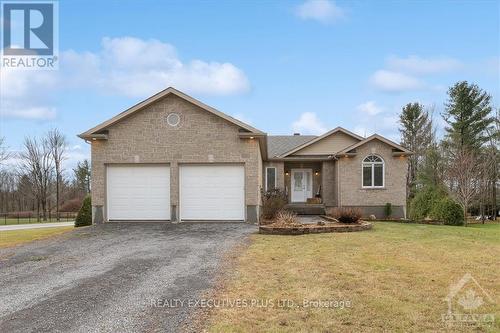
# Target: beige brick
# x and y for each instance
(145, 137)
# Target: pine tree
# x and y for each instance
(468, 115)
(417, 135)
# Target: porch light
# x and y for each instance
(317, 173)
(251, 138)
(286, 173)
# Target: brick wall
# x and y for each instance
(201, 137)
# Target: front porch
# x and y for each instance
(309, 184)
(303, 182)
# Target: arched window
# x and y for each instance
(373, 172)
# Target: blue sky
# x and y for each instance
(282, 66)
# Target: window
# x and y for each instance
(270, 178)
(373, 172)
(173, 119)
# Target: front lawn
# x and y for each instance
(396, 277)
(16, 237)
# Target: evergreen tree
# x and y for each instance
(468, 115)
(417, 135)
(82, 176)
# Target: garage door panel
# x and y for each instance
(138, 192)
(214, 192)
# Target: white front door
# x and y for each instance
(301, 185)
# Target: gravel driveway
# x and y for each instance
(113, 277)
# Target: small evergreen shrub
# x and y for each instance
(273, 201)
(84, 216)
(388, 210)
(448, 211)
(346, 214)
(423, 202)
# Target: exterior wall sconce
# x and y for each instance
(317, 173)
(286, 173)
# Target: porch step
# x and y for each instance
(306, 209)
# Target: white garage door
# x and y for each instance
(138, 192)
(212, 192)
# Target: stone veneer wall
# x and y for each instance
(353, 195)
(201, 137)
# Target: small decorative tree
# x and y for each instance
(388, 210)
(273, 201)
(84, 216)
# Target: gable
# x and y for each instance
(396, 149)
(330, 144)
(96, 132)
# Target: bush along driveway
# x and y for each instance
(113, 277)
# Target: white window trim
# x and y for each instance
(372, 164)
(275, 177)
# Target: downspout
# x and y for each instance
(339, 193)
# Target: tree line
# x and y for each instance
(39, 182)
(461, 166)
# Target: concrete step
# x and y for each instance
(306, 209)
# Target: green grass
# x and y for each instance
(16, 237)
(396, 277)
(11, 221)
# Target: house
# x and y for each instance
(173, 158)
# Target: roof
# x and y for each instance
(375, 137)
(156, 97)
(279, 144)
(318, 138)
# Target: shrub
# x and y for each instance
(286, 217)
(70, 206)
(272, 202)
(347, 215)
(448, 211)
(388, 210)
(84, 216)
(423, 202)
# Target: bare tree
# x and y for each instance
(37, 164)
(4, 154)
(57, 146)
(464, 178)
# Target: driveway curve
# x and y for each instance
(123, 277)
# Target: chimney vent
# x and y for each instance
(296, 133)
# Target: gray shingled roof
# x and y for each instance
(279, 144)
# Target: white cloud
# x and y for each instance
(390, 81)
(362, 130)
(75, 154)
(377, 119)
(35, 112)
(124, 66)
(324, 11)
(417, 65)
(308, 123)
(369, 108)
(26, 94)
(138, 68)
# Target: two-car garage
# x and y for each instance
(206, 192)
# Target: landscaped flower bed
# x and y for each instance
(301, 229)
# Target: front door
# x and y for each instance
(301, 185)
